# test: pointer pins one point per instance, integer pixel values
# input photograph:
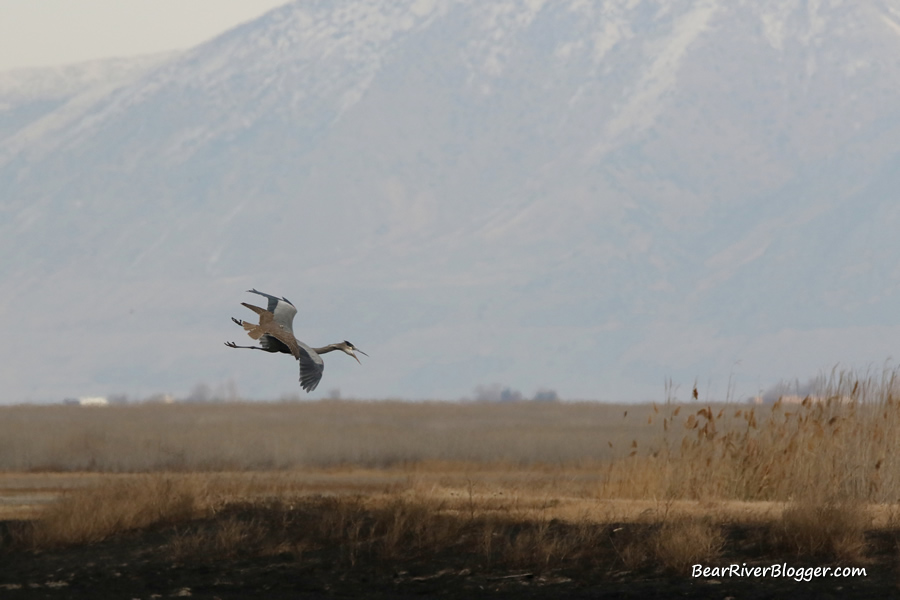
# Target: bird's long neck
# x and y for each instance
(326, 349)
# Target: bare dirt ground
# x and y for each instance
(194, 559)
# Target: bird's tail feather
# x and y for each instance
(253, 330)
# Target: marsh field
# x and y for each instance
(398, 499)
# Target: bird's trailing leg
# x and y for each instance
(233, 345)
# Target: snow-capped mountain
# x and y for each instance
(584, 196)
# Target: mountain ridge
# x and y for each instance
(562, 195)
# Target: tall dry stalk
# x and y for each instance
(835, 445)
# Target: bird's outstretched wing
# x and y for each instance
(282, 308)
(311, 367)
(269, 326)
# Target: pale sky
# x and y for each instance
(36, 33)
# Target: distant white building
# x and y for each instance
(87, 401)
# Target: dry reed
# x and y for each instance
(479, 479)
(94, 514)
(836, 445)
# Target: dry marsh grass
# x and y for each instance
(404, 530)
(528, 485)
(838, 445)
(684, 541)
(96, 513)
(289, 435)
(831, 529)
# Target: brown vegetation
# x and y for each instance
(834, 447)
(94, 514)
(827, 529)
(518, 486)
(287, 435)
(390, 528)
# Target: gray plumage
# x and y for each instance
(275, 333)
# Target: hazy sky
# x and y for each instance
(52, 32)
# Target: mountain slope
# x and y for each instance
(585, 196)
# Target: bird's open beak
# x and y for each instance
(361, 352)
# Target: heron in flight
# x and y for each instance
(276, 334)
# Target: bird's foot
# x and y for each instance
(231, 344)
(238, 321)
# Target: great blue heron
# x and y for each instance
(276, 334)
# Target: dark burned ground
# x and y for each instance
(254, 552)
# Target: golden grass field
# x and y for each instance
(817, 475)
